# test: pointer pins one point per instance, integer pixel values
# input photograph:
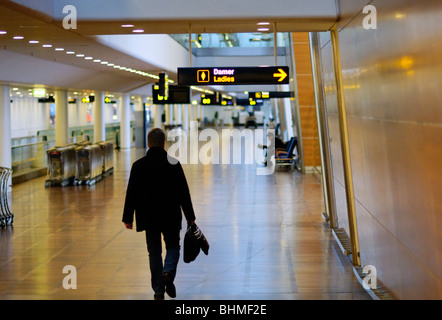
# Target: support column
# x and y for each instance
(5, 127)
(125, 122)
(158, 114)
(185, 116)
(61, 118)
(168, 115)
(195, 113)
(176, 114)
(99, 125)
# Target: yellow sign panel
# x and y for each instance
(203, 76)
(281, 75)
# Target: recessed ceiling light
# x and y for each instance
(263, 29)
(18, 37)
(34, 41)
(104, 62)
(110, 64)
(47, 46)
(138, 30)
(3, 32)
(264, 23)
(97, 60)
(88, 58)
(14, 89)
(80, 55)
(127, 25)
(59, 49)
(70, 52)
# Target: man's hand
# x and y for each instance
(128, 225)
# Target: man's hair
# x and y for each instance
(156, 138)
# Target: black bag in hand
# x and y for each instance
(194, 241)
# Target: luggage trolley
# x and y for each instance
(89, 165)
(6, 216)
(107, 149)
(61, 166)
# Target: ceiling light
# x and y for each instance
(127, 25)
(264, 23)
(14, 89)
(47, 46)
(138, 30)
(263, 29)
(3, 32)
(18, 37)
(80, 55)
(34, 41)
(70, 52)
(110, 64)
(97, 60)
(104, 62)
(59, 49)
(88, 58)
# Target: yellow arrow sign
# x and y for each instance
(282, 75)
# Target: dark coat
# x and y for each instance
(156, 192)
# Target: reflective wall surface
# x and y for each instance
(392, 80)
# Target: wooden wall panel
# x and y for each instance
(306, 99)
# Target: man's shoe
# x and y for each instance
(158, 296)
(167, 279)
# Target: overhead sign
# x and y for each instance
(216, 99)
(176, 95)
(39, 92)
(210, 99)
(271, 94)
(89, 99)
(233, 75)
(163, 85)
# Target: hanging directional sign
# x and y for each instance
(233, 75)
(271, 94)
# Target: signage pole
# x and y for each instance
(279, 103)
(275, 44)
(190, 45)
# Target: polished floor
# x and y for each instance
(267, 237)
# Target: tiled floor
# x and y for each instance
(267, 237)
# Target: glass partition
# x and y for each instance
(230, 40)
(30, 157)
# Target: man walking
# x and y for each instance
(157, 191)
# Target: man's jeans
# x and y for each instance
(154, 247)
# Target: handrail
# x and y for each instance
(32, 144)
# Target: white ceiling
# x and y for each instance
(34, 64)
